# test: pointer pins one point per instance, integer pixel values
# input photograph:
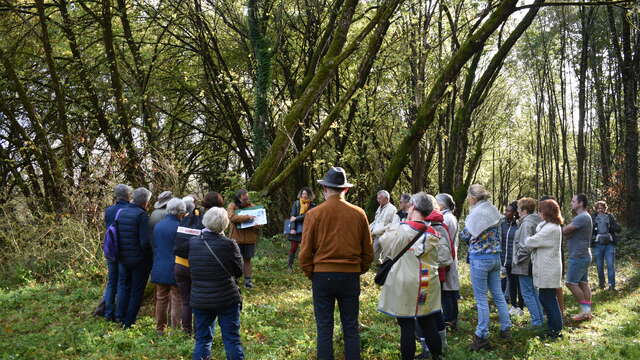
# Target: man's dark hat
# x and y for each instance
(335, 178)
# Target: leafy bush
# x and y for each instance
(48, 248)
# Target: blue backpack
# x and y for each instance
(111, 237)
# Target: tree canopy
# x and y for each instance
(527, 97)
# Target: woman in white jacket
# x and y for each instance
(547, 263)
(412, 290)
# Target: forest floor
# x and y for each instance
(53, 321)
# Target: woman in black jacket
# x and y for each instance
(299, 209)
(215, 264)
(190, 226)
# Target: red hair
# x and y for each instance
(550, 212)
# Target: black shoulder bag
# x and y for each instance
(383, 270)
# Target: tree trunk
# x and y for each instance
(426, 113)
(46, 157)
(603, 120)
(375, 42)
(472, 99)
(631, 196)
(335, 56)
(586, 16)
(132, 170)
(59, 93)
(262, 56)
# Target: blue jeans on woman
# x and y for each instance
(229, 321)
(531, 299)
(549, 302)
(485, 276)
(608, 253)
(111, 290)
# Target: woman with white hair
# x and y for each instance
(411, 292)
(162, 272)
(215, 263)
(189, 227)
(482, 233)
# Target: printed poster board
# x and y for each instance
(259, 212)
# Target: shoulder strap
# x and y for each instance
(117, 214)
(409, 245)
(215, 256)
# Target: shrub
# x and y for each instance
(48, 247)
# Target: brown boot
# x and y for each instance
(479, 344)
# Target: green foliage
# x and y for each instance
(48, 248)
(47, 313)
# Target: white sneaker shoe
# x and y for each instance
(515, 311)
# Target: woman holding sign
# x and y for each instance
(299, 209)
(246, 237)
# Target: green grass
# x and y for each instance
(53, 321)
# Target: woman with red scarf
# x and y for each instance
(411, 292)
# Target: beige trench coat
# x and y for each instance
(412, 288)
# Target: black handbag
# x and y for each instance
(292, 225)
(383, 270)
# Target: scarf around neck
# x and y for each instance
(304, 205)
(482, 216)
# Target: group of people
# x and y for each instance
(197, 269)
(588, 237)
(523, 247)
(182, 249)
(421, 289)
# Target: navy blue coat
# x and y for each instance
(134, 244)
(211, 287)
(181, 245)
(164, 235)
(110, 212)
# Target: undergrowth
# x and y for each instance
(52, 276)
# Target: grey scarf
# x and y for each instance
(482, 216)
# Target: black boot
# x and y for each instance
(479, 344)
(292, 258)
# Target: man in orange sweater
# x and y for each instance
(336, 249)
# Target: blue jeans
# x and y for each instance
(531, 299)
(485, 276)
(550, 305)
(132, 280)
(608, 253)
(111, 290)
(229, 321)
(345, 289)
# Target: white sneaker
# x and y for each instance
(515, 311)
